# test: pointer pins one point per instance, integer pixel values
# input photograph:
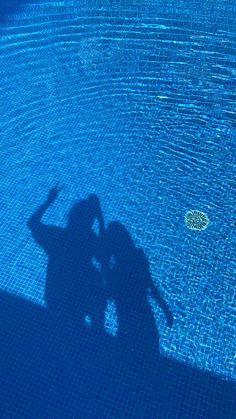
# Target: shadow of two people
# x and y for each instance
(86, 269)
(53, 366)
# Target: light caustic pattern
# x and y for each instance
(132, 102)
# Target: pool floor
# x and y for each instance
(117, 208)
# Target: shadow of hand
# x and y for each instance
(53, 194)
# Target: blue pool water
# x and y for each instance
(111, 307)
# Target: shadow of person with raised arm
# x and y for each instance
(74, 287)
(129, 283)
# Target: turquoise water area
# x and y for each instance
(134, 102)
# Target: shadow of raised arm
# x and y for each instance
(38, 229)
(93, 199)
(163, 305)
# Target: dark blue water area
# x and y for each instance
(117, 119)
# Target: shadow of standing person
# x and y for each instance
(128, 283)
(74, 287)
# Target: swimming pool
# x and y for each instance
(132, 102)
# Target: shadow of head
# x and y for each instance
(83, 214)
(120, 242)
